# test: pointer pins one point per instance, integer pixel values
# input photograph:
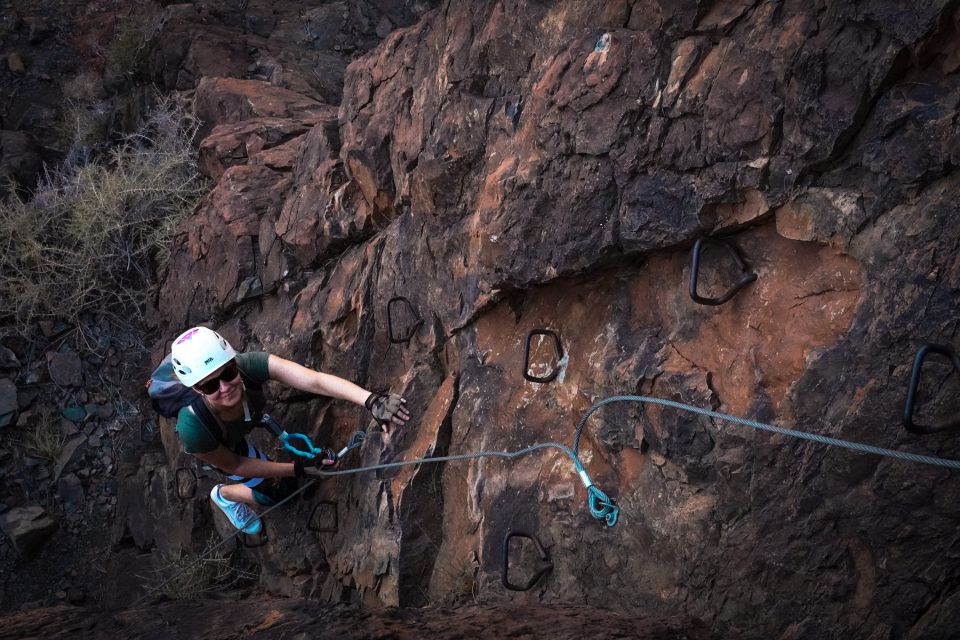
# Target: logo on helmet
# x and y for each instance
(208, 361)
(187, 335)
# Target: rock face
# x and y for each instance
(19, 158)
(510, 166)
(272, 618)
(28, 528)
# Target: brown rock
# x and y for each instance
(39, 29)
(8, 396)
(28, 528)
(229, 100)
(19, 157)
(523, 167)
(233, 144)
(65, 368)
(15, 62)
(8, 359)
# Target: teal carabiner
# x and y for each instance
(311, 451)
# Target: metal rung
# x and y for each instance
(526, 356)
(395, 339)
(544, 570)
(313, 523)
(913, 391)
(746, 279)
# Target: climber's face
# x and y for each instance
(224, 386)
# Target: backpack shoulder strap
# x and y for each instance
(207, 418)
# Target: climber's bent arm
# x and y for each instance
(237, 465)
(323, 384)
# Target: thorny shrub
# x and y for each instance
(45, 439)
(187, 576)
(94, 236)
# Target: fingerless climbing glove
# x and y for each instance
(301, 465)
(387, 408)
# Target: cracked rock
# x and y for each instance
(28, 528)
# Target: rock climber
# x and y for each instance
(231, 387)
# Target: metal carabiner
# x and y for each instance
(526, 356)
(746, 279)
(412, 330)
(547, 568)
(913, 391)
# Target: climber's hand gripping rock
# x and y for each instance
(389, 410)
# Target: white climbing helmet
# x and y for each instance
(198, 352)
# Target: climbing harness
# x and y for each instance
(745, 279)
(813, 437)
(394, 338)
(914, 388)
(526, 356)
(545, 568)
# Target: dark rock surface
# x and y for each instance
(301, 619)
(27, 528)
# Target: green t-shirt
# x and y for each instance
(197, 438)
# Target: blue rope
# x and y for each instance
(813, 437)
(601, 506)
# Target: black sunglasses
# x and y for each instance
(229, 374)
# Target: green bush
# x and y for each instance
(126, 55)
(91, 240)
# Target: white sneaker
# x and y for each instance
(240, 515)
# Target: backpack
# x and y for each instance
(168, 395)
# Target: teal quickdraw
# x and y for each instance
(312, 451)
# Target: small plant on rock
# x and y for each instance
(126, 54)
(186, 575)
(45, 439)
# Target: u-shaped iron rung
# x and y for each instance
(189, 473)
(412, 330)
(746, 279)
(313, 520)
(544, 570)
(526, 356)
(913, 391)
(260, 538)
